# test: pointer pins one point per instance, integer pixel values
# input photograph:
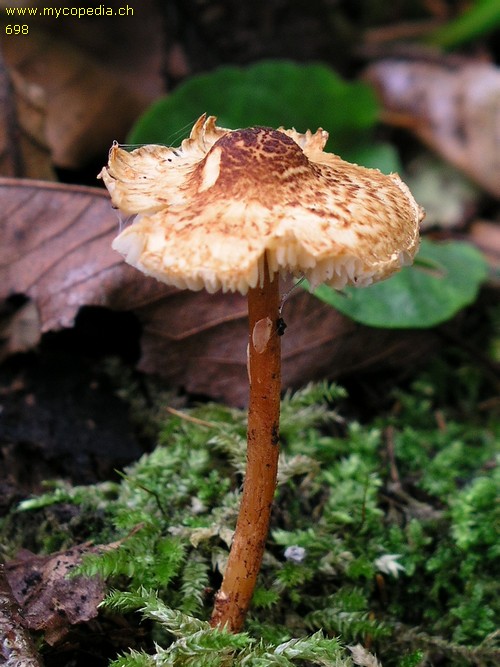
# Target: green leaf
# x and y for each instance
(481, 18)
(378, 155)
(272, 93)
(445, 278)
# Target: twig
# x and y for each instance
(189, 418)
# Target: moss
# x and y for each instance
(383, 532)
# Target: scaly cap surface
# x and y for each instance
(208, 212)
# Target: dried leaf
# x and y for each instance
(95, 87)
(57, 252)
(16, 645)
(51, 601)
(362, 657)
(54, 251)
(23, 145)
(450, 104)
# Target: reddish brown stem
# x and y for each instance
(264, 369)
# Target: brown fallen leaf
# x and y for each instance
(56, 251)
(95, 85)
(23, 145)
(452, 105)
(51, 601)
(16, 644)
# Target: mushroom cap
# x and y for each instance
(209, 212)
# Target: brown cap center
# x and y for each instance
(257, 163)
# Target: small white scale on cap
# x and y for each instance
(208, 212)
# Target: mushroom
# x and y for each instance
(232, 210)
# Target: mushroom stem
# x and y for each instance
(264, 369)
